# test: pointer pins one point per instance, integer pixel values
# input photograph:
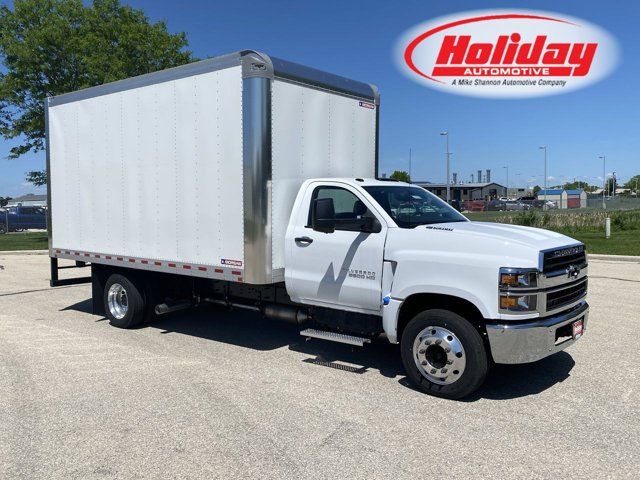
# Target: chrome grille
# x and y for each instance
(560, 259)
(565, 296)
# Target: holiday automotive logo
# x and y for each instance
(507, 54)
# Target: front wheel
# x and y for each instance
(443, 354)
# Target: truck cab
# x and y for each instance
(455, 294)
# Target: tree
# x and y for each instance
(536, 189)
(4, 201)
(577, 185)
(401, 176)
(37, 178)
(50, 47)
(633, 183)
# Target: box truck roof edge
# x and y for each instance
(258, 71)
(254, 63)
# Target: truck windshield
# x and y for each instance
(413, 206)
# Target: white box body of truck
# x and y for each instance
(196, 168)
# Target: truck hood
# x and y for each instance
(511, 234)
(500, 244)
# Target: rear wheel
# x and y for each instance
(123, 302)
(3, 228)
(443, 354)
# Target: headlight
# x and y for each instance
(518, 277)
(518, 303)
(518, 289)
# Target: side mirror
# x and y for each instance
(371, 225)
(323, 216)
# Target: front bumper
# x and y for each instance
(529, 341)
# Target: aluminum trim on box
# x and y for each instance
(48, 170)
(256, 158)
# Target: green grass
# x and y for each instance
(24, 241)
(586, 226)
(623, 242)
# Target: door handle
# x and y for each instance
(306, 240)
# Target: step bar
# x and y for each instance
(335, 337)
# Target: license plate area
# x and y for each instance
(570, 331)
(578, 328)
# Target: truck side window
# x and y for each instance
(346, 204)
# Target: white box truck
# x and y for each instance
(249, 181)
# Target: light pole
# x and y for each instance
(604, 178)
(446, 134)
(613, 185)
(507, 167)
(544, 147)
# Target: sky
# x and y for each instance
(357, 39)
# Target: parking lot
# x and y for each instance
(217, 394)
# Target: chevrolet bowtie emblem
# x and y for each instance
(573, 271)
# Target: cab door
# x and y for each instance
(338, 269)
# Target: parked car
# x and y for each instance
(496, 206)
(532, 201)
(15, 219)
(515, 205)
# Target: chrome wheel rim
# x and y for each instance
(117, 301)
(439, 355)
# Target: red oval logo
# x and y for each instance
(507, 54)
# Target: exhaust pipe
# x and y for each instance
(286, 313)
(274, 311)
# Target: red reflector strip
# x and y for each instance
(86, 254)
(67, 252)
(97, 256)
(173, 265)
(77, 253)
(239, 279)
(144, 261)
(120, 258)
(202, 269)
(186, 267)
(157, 264)
(57, 251)
(219, 270)
(108, 257)
(132, 260)
(236, 272)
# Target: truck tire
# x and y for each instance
(443, 354)
(3, 228)
(123, 302)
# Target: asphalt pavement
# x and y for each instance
(217, 394)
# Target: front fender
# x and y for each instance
(481, 305)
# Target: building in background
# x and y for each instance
(576, 198)
(29, 200)
(466, 191)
